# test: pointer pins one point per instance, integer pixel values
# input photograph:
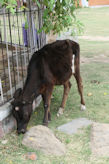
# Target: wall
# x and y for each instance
(98, 2)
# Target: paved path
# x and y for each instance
(100, 139)
(73, 126)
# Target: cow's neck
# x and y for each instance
(31, 89)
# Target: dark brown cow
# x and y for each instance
(52, 65)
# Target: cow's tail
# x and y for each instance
(76, 55)
(76, 49)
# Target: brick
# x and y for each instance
(8, 124)
(1, 130)
(98, 2)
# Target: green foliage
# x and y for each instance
(26, 24)
(10, 4)
(58, 15)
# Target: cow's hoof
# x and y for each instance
(22, 131)
(83, 107)
(49, 120)
(60, 111)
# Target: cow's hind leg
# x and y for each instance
(80, 87)
(67, 87)
(47, 100)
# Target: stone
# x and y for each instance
(1, 130)
(5, 111)
(7, 121)
(100, 139)
(9, 124)
(73, 126)
(42, 138)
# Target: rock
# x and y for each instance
(7, 121)
(73, 126)
(42, 138)
(100, 139)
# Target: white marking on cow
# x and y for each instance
(17, 108)
(60, 111)
(73, 63)
(83, 107)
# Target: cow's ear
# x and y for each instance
(17, 93)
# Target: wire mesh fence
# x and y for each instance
(19, 39)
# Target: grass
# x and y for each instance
(78, 145)
(90, 49)
(95, 21)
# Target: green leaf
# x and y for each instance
(12, 10)
(37, 2)
(58, 15)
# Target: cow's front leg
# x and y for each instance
(47, 100)
(67, 87)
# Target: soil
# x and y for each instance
(100, 139)
(99, 58)
(95, 38)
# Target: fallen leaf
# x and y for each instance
(31, 155)
(95, 81)
(31, 138)
(89, 94)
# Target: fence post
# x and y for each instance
(6, 41)
(30, 27)
(1, 91)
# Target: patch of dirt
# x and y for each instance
(95, 38)
(100, 139)
(99, 58)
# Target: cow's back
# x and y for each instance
(58, 57)
(54, 61)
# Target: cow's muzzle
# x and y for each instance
(22, 131)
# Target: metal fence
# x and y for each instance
(19, 39)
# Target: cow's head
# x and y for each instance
(21, 111)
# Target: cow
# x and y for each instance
(51, 65)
